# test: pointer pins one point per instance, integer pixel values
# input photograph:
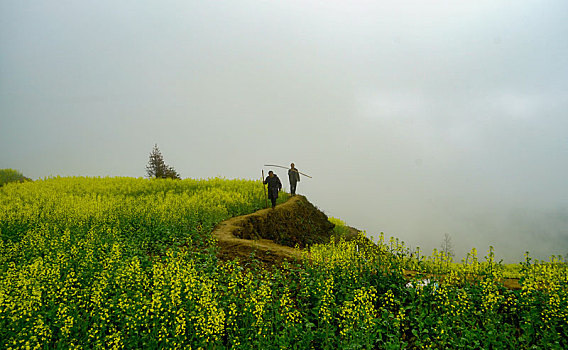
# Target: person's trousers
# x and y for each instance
(293, 187)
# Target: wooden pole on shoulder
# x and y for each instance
(264, 187)
(283, 167)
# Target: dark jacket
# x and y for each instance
(274, 185)
(293, 175)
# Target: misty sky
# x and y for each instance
(415, 118)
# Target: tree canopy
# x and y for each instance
(157, 168)
(11, 175)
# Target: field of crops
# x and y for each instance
(130, 263)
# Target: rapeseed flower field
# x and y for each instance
(124, 263)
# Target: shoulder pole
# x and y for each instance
(283, 167)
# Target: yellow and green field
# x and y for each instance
(131, 263)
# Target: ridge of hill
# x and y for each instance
(271, 234)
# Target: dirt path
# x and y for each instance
(232, 247)
(271, 234)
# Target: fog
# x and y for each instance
(414, 118)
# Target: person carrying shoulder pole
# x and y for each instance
(294, 177)
(274, 185)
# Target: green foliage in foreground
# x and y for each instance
(130, 263)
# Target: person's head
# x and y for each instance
(271, 173)
(292, 165)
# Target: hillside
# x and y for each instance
(129, 263)
(272, 234)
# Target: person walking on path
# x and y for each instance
(294, 177)
(274, 185)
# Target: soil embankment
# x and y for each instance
(271, 234)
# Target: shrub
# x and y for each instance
(11, 175)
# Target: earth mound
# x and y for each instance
(271, 234)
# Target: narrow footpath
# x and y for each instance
(271, 235)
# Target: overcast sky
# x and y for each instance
(415, 118)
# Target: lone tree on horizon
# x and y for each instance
(157, 168)
(447, 246)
